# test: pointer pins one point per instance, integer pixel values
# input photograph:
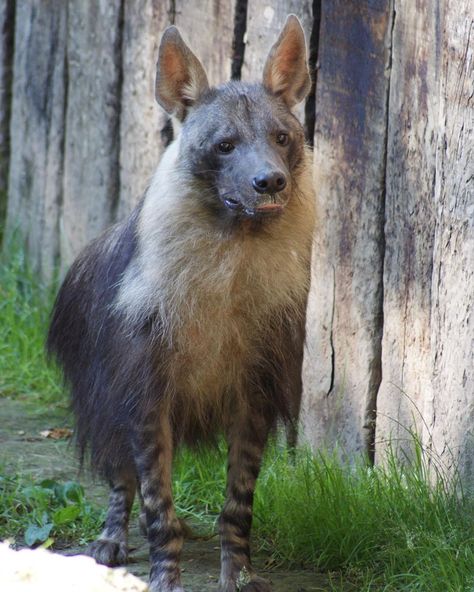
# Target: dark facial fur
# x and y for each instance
(265, 139)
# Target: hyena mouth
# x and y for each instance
(271, 207)
(267, 205)
(263, 208)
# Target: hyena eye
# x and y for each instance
(282, 139)
(225, 147)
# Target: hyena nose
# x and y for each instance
(269, 182)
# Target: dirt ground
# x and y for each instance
(23, 450)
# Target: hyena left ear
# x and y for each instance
(180, 77)
(286, 72)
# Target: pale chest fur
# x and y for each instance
(219, 302)
(216, 293)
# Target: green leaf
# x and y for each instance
(37, 495)
(73, 491)
(48, 484)
(66, 515)
(37, 534)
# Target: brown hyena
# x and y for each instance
(186, 321)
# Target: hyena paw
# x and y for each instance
(108, 552)
(256, 584)
(245, 583)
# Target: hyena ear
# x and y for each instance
(286, 72)
(180, 77)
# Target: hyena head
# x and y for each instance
(241, 143)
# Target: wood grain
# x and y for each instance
(37, 131)
(341, 372)
(91, 151)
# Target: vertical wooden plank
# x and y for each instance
(405, 395)
(7, 24)
(37, 129)
(264, 23)
(208, 27)
(141, 120)
(341, 371)
(91, 171)
(452, 299)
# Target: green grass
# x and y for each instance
(388, 528)
(389, 525)
(391, 528)
(24, 313)
(47, 512)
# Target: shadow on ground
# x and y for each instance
(23, 450)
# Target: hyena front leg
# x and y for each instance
(111, 547)
(153, 450)
(246, 445)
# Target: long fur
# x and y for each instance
(169, 309)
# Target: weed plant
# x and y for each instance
(47, 512)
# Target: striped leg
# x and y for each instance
(246, 444)
(153, 448)
(111, 547)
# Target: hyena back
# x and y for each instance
(187, 320)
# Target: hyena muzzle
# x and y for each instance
(186, 321)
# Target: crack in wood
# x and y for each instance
(310, 106)
(6, 83)
(376, 370)
(331, 334)
(238, 43)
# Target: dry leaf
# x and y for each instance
(57, 433)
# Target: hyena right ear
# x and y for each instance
(180, 77)
(286, 72)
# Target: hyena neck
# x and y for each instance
(186, 265)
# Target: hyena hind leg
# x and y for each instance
(111, 547)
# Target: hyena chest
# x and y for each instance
(214, 349)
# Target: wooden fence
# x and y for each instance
(390, 331)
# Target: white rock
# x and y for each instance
(40, 570)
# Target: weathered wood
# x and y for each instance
(91, 170)
(208, 27)
(141, 120)
(410, 223)
(450, 411)
(7, 24)
(264, 23)
(37, 129)
(341, 372)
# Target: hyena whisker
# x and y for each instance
(186, 320)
